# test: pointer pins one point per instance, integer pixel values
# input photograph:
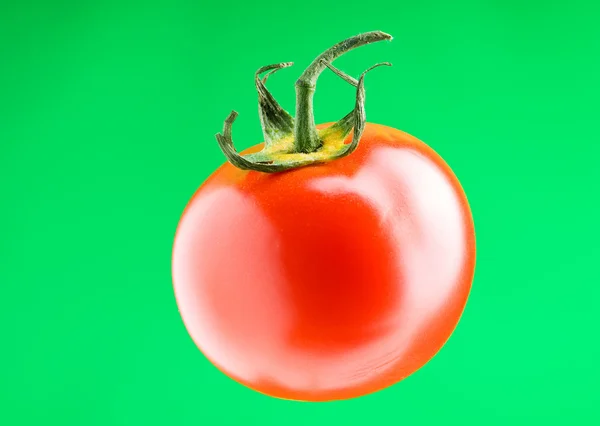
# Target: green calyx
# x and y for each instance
(291, 143)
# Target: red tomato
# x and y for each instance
(331, 281)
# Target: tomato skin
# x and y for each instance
(327, 282)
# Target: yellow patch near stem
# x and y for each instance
(279, 151)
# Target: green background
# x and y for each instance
(108, 112)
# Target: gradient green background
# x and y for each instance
(108, 112)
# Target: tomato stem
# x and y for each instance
(291, 143)
(305, 131)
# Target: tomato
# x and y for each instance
(316, 268)
(327, 282)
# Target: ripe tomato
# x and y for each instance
(331, 281)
